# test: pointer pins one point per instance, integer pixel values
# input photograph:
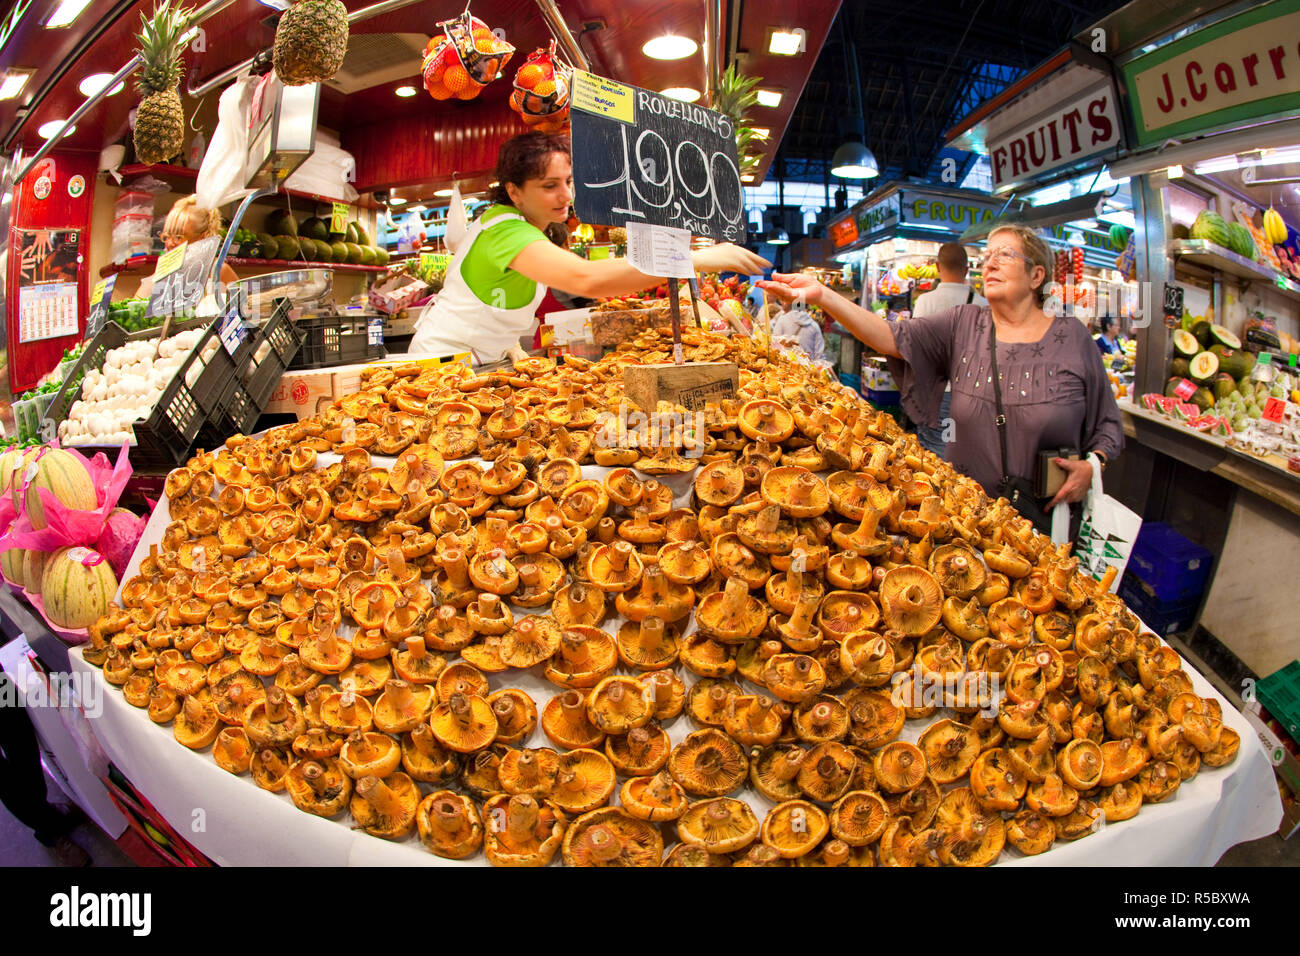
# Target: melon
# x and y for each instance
(11, 463)
(1211, 227)
(1204, 367)
(121, 534)
(66, 478)
(11, 565)
(1241, 241)
(33, 569)
(1185, 344)
(1224, 336)
(280, 222)
(77, 587)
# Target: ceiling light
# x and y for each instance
(94, 83)
(442, 193)
(1174, 172)
(1221, 164)
(786, 42)
(66, 12)
(747, 178)
(770, 98)
(494, 184)
(13, 83)
(396, 201)
(48, 130)
(854, 161)
(669, 47)
(683, 93)
(418, 207)
(405, 91)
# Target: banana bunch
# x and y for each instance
(927, 271)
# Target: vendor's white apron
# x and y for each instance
(458, 320)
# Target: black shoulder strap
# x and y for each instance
(970, 296)
(1001, 420)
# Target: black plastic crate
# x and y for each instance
(165, 438)
(329, 340)
(271, 349)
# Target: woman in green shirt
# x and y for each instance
(497, 278)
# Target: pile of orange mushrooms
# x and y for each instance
(346, 632)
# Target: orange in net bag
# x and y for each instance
(541, 93)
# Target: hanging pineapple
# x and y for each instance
(310, 42)
(160, 119)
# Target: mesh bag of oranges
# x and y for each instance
(541, 95)
(465, 57)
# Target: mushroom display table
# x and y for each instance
(234, 822)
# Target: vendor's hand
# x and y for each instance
(793, 287)
(728, 257)
(1078, 480)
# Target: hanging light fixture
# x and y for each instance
(778, 235)
(853, 160)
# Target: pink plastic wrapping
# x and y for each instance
(68, 527)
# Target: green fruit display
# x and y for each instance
(339, 251)
(1241, 241)
(1180, 367)
(1236, 363)
(315, 228)
(363, 238)
(1185, 343)
(354, 253)
(350, 232)
(288, 247)
(307, 249)
(1180, 231)
(1224, 336)
(1203, 399)
(368, 257)
(382, 255)
(1204, 367)
(1211, 227)
(280, 222)
(270, 248)
(1223, 385)
(1171, 387)
(1201, 329)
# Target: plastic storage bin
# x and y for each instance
(271, 350)
(1163, 617)
(1173, 568)
(335, 340)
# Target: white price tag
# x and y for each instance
(660, 250)
(375, 331)
(232, 330)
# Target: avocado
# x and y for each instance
(339, 251)
(270, 248)
(315, 227)
(368, 257)
(280, 222)
(287, 246)
(354, 253)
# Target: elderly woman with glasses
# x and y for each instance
(1043, 372)
(186, 222)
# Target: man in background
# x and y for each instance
(951, 292)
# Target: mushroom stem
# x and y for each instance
(786, 768)
(194, 712)
(456, 568)
(381, 796)
(273, 762)
(651, 632)
(661, 688)
(400, 695)
(801, 620)
(315, 775)
(396, 563)
(415, 647)
(489, 606)
(618, 555)
(835, 853)
(768, 519)
(360, 747)
(521, 818)
(574, 649)
(277, 705)
(735, 597)
(446, 815)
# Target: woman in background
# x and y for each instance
(186, 222)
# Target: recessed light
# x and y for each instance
(66, 12)
(669, 47)
(769, 98)
(442, 193)
(494, 184)
(405, 91)
(747, 178)
(48, 130)
(396, 201)
(92, 84)
(786, 42)
(683, 93)
(13, 83)
(418, 207)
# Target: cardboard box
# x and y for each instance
(304, 392)
(692, 385)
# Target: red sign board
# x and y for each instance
(843, 232)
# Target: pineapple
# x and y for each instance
(310, 42)
(160, 120)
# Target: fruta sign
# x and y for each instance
(1083, 127)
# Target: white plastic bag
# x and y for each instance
(1107, 533)
(328, 171)
(221, 176)
(457, 223)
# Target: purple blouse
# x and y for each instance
(1054, 391)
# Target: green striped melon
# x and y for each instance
(64, 475)
(11, 565)
(33, 568)
(11, 463)
(77, 587)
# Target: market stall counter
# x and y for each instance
(859, 743)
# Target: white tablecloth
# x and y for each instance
(234, 822)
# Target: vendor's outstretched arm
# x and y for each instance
(558, 268)
(869, 328)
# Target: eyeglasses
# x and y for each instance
(998, 256)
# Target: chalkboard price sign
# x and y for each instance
(178, 289)
(642, 157)
(100, 298)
